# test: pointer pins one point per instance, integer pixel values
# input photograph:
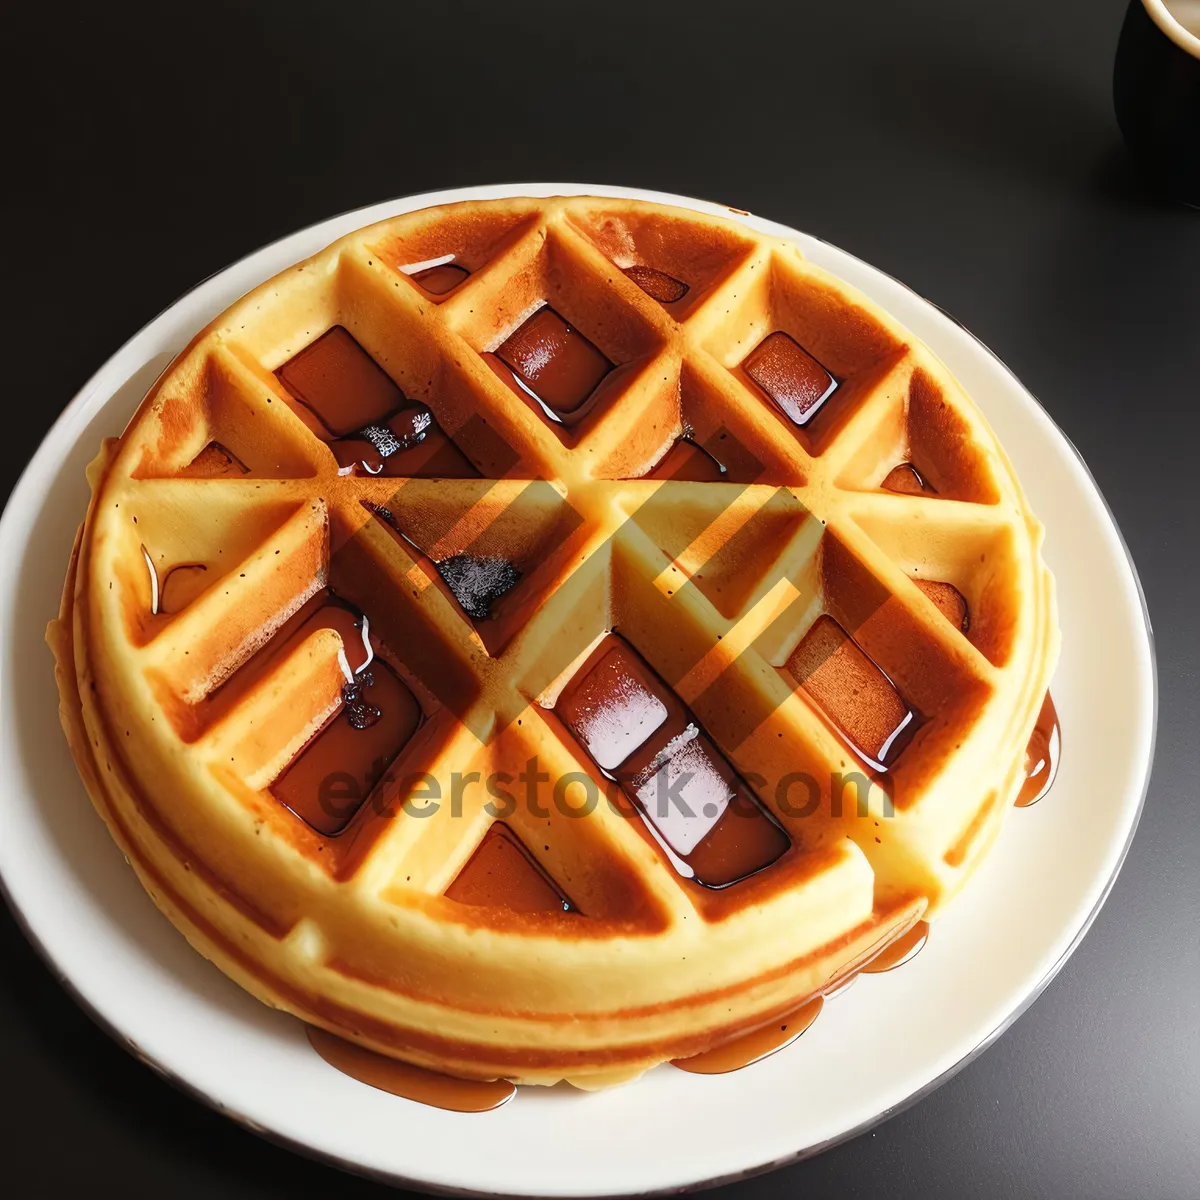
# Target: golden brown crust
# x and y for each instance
(352, 932)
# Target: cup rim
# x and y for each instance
(1162, 16)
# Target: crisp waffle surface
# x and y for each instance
(706, 619)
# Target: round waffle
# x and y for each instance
(540, 639)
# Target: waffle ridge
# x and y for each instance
(713, 584)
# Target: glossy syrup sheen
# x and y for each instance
(331, 777)
(428, 1087)
(854, 692)
(1042, 757)
(340, 383)
(412, 1083)
(440, 1091)
(555, 361)
(797, 383)
(755, 1046)
(372, 428)
(408, 443)
(639, 733)
(906, 947)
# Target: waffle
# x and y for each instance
(543, 638)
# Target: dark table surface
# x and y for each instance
(968, 149)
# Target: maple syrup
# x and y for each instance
(854, 693)
(905, 948)
(753, 1047)
(906, 480)
(554, 361)
(441, 279)
(412, 1083)
(328, 781)
(372, 428)
(949, 601)
(340, 384)
(658, 285)
(502, 873)
(442, 1091)
(695, 805)
(1042, 756)
(688, 461)
(797, 383)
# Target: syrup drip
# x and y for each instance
(755, 1046)
(458, 1095)
(412, 1083)
(1042, 756)
(842, 985)
(905, 948)
(441, 1091)
(1045, 749)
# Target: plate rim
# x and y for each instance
(399, 205)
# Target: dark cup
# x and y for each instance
(1156, 90)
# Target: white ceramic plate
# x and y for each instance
(877, 1047)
